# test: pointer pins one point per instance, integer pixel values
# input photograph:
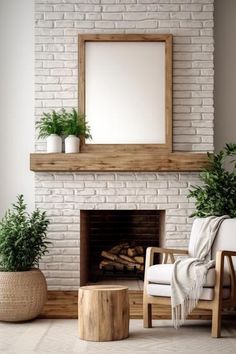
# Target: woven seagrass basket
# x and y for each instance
(22, 295)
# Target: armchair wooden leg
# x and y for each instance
(216, 321)
(147, 315)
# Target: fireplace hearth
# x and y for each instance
(113, 243)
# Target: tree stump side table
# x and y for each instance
(103, 313)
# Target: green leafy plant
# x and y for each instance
(74, 123)
(22, 238)
(51, 123)
(217, 195)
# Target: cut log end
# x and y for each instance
(123, 257)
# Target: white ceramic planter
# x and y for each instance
(54, 143)
(72, 144)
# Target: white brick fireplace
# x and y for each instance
(63, 195)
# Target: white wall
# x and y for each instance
(16, 91)
(16, 100)
(225, 72)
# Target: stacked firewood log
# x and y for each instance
(123, 257)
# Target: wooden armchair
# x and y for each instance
(219, 291)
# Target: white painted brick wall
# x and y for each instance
(59, 22)
(63, 195)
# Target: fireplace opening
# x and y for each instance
(113, 243)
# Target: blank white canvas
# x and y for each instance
(125, 92)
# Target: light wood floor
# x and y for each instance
(61, 337)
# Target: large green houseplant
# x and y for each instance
(217, 193)
(22, 243)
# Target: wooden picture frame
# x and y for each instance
(166, 39)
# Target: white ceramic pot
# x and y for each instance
(54, 143)
(72, 144)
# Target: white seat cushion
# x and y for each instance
(165, 290)
(162, 273)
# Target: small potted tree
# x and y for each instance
(51, 128)
(75, 126)
(23, 288)
(217, 193)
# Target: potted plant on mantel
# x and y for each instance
(23, 289)
(51, 128)
(74, 127)
(217, 194)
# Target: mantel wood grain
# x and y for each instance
(118, 162)
(64, 304)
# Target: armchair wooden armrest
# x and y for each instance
(227, 253)
(166, 252)
(220, 259)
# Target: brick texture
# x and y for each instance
(63, 195)
(59, 22)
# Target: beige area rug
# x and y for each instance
(61, 337)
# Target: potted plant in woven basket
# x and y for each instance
(23, 288)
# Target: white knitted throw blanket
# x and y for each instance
(189, 275)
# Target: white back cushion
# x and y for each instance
(225, 238)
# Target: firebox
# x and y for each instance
(113, 243)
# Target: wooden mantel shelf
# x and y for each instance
(119, 162)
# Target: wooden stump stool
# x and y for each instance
(103, 313)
